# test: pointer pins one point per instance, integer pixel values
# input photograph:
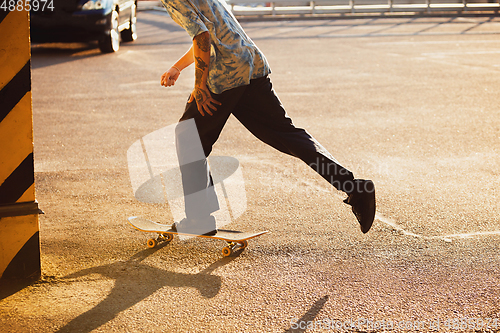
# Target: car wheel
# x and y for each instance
(111, 42)
(130, 34)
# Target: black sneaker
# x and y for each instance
(196, 227)
(362, 200)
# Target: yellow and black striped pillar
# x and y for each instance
(19, 228)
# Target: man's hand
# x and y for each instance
(169, 77)
(204, 100)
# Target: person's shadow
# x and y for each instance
(134, 282)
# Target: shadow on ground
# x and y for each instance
(127, 290)
(11, 287)
(301, 325)
(48, 54)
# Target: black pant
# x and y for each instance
(258, 108)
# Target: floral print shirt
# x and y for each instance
(234, 58)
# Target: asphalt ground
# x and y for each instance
(411, 103)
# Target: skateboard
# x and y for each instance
(235, 239)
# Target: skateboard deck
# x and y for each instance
(235, 239)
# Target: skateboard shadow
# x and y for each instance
(134, 282)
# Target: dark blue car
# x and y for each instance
(106, 21)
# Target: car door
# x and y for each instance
(125, 11)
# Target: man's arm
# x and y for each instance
(201, 93)
(199, 53)
(169, 77)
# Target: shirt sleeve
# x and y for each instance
(186, 16)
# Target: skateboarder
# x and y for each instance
(232, 77)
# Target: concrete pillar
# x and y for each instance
(19, 228)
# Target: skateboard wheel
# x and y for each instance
(168, 237)
(227, 251)
(152, 243)
(243, 244)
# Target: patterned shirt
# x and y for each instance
(234, 58)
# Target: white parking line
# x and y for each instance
(443, 54)
(386, 220)
(402, 34)
(446, 238)
(481, 41)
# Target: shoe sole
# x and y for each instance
(369, 214)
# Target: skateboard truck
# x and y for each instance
(153, 242)
(226, 251)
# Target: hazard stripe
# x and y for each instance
(15, 90)
(26, 263)
(16, 137)
(28, 195)
(19, 227)
(16, 159)
(19, 181)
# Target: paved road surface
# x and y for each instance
(409, 103)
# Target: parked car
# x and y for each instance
(85, 20)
